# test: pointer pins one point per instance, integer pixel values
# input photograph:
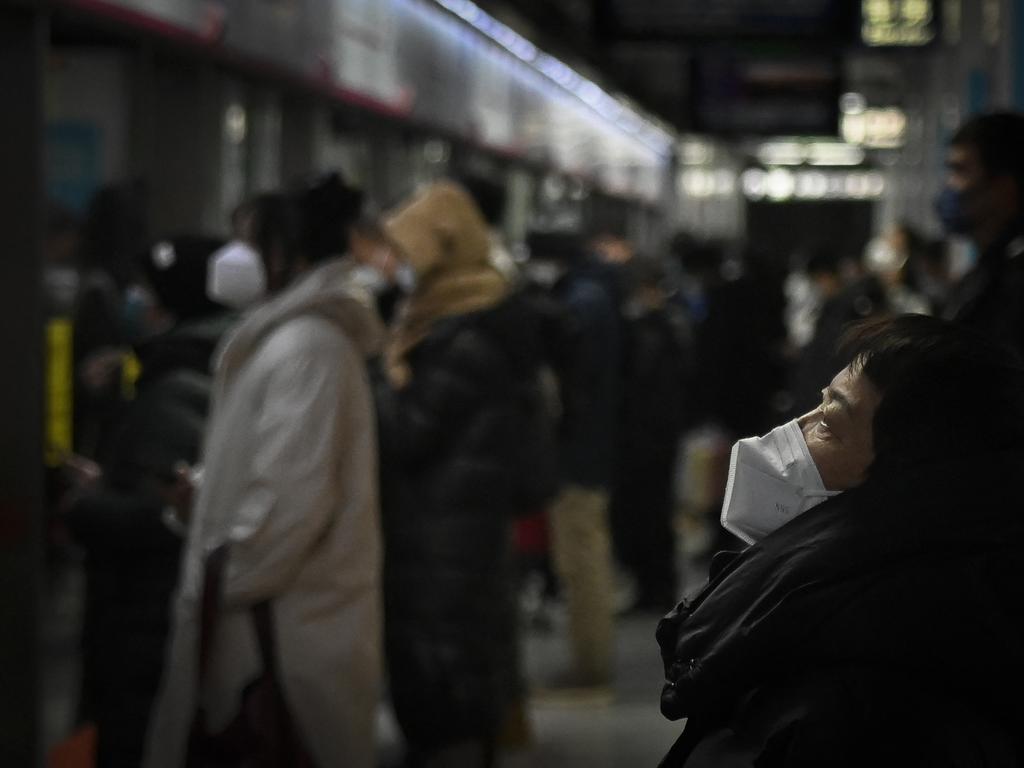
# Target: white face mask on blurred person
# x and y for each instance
(236, 276)
(772, 479)
(369, 279)
(406, 278)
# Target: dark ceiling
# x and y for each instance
(677, 57)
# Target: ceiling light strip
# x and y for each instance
(605, 105)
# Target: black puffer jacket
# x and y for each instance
(990, 298)
(591, 295)
(885, 627)
(465, 448)
(131, 556)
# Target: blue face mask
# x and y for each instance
(949, 206)
(135, 310)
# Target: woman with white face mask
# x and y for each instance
(876, 618)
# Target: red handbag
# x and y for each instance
(262, 734)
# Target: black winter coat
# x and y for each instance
(655, 404)
(990, 298)
(884, 627)
(131, 556)
(466, 447)
(591, 295)
(739, 354)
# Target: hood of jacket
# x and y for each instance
(441, 231)
(445, 239)
(327, 291)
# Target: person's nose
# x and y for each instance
(808, 418)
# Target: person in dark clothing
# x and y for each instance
(882, 626)
(578, 520)
(700, 267)
(657, 370)
(108, 313)
(984, 200)
(465, 448)
(591, 291)
(131, 554)
(744, 331)
(840, 305)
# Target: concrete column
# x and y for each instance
(23, 43)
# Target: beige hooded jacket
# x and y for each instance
(290, 480)
(443, 236)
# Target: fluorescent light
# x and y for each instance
(876, 128)
(833, 153)
(754, 183)
(781, 185)
(796, 152)
(701, 183)
(781, 153)
(811, 185)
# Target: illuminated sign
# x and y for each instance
(898, 22)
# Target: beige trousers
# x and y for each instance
(581, 545)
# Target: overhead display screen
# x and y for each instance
(727, 18)
(751, 94)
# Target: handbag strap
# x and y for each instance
(263, 622)
(210, 609)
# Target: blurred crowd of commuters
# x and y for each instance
(323, 454)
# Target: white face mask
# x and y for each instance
(369, 278)
(236, 276)
(772, 479)
(406, 278)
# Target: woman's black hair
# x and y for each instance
(276, 224)
(328, 208)
(945, 389)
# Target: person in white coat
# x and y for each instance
(290, 483)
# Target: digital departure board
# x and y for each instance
(741, 93)
(728, 18)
